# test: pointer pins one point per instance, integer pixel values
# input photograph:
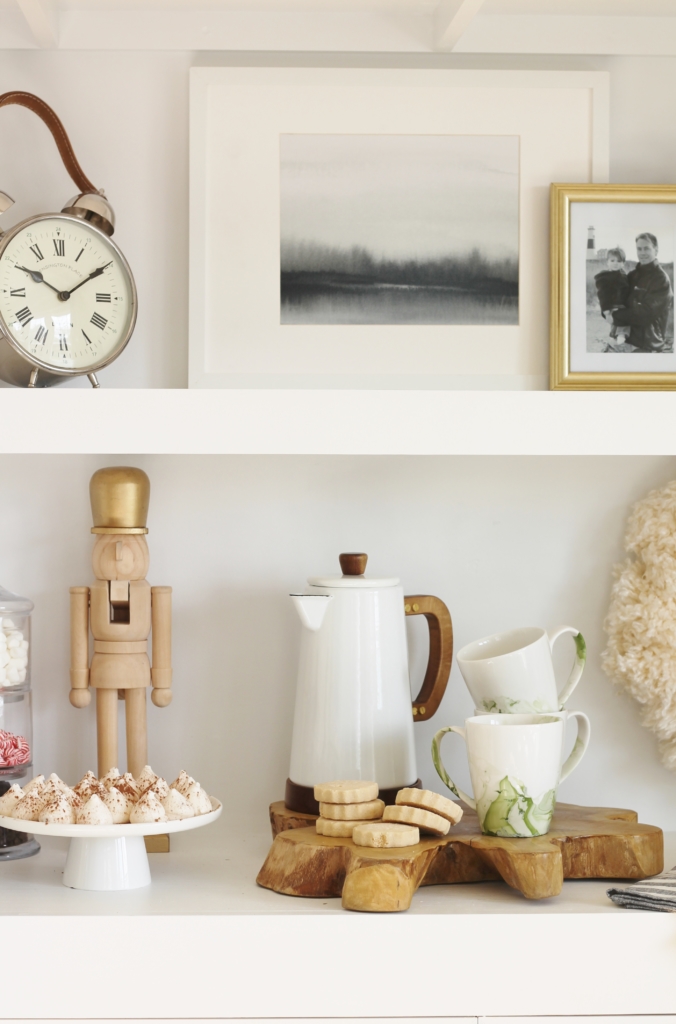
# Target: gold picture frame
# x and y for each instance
(579, 351)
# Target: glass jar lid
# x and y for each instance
(10, 602)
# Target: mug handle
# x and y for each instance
(581, 744)
(441, 652)
(580, 658)
(443, 774)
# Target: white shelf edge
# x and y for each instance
(281, 422)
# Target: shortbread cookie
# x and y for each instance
(336, 829)
(370, 810)
(425, 820)
(430, 801)
(351, 791)
(385, 835)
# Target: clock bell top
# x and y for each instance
(119, 496)
(94, 208)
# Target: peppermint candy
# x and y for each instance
(13, 749)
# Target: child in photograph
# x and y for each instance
(612, 288)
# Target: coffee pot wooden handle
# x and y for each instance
(441, 652)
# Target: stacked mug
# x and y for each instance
(515, 738)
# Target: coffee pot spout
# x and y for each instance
(311, 609)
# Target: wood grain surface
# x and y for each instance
(583, 842)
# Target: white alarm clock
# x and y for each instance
(67, 295)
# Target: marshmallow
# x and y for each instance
(94, 812)
(176, 806)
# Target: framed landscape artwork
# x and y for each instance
(612, 323)
(370, 228)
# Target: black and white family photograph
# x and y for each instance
(629, 257)
(399, 229)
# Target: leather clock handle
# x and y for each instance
(441, 652)
(45, 112)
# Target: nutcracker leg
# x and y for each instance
(137, 733)
(106, 729)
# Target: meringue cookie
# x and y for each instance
(146, 778)
(110, 778)
(198, 799)
(119, 805)
(159, 787)
(148, 809)
(176, 806)
(94, 812)
(58, 783)
(58, 811)
(87, 786)
(182, 783)
(29, 807)
(126, 784)
(35, 783)
(10, 799)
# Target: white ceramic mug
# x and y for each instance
(515, 767)
(513, 672)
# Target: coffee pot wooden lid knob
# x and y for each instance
(353, 564)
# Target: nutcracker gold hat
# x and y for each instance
(120, 496)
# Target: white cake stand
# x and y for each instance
(106, 857)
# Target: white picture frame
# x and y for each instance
(237, 117)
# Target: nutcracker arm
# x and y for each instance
(161, 672)
(80, 694)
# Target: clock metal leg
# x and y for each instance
(32, 382)
(92, 378)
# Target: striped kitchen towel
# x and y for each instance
(658, 893)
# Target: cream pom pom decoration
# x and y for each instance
(641, 620)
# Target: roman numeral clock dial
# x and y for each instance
(67, 298)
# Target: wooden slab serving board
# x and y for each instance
(583, 842)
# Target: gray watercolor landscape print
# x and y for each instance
(399, 229)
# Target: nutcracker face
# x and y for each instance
(118, 556)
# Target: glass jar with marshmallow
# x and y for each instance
(15, 685)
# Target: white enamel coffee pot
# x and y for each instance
(354, 715)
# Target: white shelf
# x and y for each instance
(337, 422)
(395, 26)
(207, 942)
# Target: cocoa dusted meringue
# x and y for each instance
(88, 786)
(94, 812)
(160, 787)
(148, 809)
(126, 784)
(198, 799)
(10, 799)
(110, 778)
(176, 806)
(182, 782)
(29, 807)
(35, 783)
(58, 811)
(146, 778)
(119, 805)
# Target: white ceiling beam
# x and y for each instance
(42, 19)
(452, 19)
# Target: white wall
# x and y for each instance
(504, 541)
(127, 114)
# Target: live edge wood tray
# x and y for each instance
(583, 842)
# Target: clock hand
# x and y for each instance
(95, 273)
(38, 278)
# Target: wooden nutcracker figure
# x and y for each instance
(120, 608)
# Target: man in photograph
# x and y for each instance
(649, 302)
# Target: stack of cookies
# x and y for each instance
(350, 809)
(429, 811)
(345, 804)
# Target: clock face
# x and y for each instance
(67, 297)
